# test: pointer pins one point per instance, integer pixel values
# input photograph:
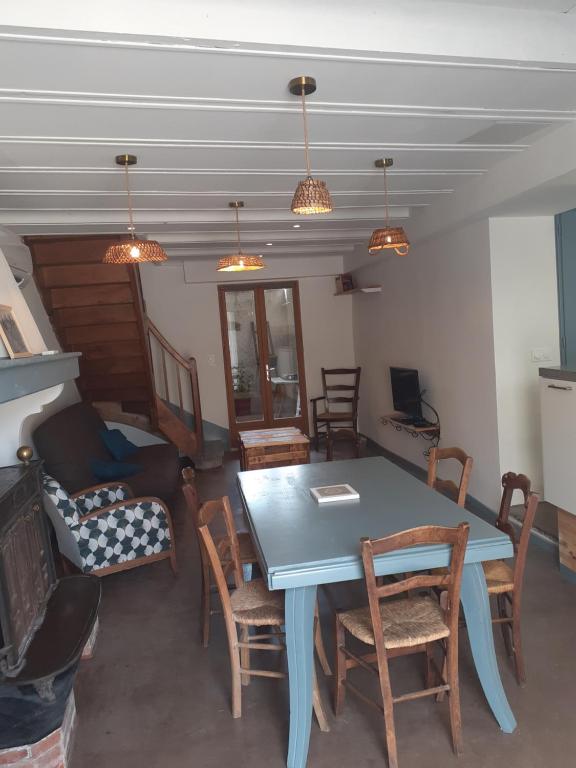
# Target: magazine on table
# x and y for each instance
(340, 492)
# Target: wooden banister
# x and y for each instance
(191, 371)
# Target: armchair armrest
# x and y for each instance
(126, 504)
(100, 496)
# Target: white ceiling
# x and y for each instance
(215, 122)
(550, 6)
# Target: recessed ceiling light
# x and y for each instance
(269, 243)
(296, 226)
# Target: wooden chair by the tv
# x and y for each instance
(447, 487)
(250, 604)
(340, 411)
(505, 581)
(405, 626)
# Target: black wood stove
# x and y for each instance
(44, 621)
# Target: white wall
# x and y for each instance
(434, 314)
(525, 314)
(183, 303)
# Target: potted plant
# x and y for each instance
(242, 381)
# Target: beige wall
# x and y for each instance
(434, 314)
(183, 303)
(525, 312)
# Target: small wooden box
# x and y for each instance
(267, 448)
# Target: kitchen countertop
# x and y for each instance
(562, 372)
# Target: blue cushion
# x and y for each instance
(113, 470)
(118, 444)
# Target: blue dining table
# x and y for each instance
(301, 544)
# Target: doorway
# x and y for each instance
(263, 356)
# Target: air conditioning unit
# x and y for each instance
(18, 257)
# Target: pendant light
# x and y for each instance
(388, 237)
(311, 194)
(239, 262)
(133, 251)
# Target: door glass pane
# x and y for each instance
(244, 357)
(282, 358)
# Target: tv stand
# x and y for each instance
(404, 423)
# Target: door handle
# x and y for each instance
(557, 386)
(267, 372)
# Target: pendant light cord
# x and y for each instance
(238, 229)
(130, 216)
(387, 213)
(304, 117)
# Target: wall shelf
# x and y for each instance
(430, 433)
(26, 375)
(364, 289)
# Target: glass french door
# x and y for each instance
(263, 356)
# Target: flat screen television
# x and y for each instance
(406, 391)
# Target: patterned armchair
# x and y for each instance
(103, 529)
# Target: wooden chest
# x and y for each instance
(267, 448)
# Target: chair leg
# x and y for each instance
(319, 644)
(236, 682)
(454, 694)
(245, 654)
(319, 707)
(205, 603)
(340, 673)
(429, 668)
(505, 628)
(388, 705)
(517, 645)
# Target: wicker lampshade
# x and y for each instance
(134, 252)
(240, 262)
(311, 196)
(389, 237)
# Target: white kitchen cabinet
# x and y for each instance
(558, 409)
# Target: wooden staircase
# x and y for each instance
(127, 367)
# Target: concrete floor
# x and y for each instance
(153, 696)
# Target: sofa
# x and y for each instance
(70, 440)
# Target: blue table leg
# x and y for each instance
(476, 606)
(300, 602)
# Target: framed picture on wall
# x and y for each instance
(11, 334)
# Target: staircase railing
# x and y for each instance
(176, 382)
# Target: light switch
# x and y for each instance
(541, 355)
(211, 359)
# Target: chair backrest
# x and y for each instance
(450, 581)
(189, 490)
(223, 551)
(64, 515)
(341, 390)
(510, 483)
(456, 492)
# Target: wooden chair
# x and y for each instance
(505, 581)
(246, 549)
(406, 626)
(449, 488)
(250, 604)
(340, 412)
(247, 557)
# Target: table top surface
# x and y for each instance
(301, 542)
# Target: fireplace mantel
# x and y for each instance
(26, 375)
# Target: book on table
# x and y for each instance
(341, 492)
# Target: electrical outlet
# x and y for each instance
(541, 355)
